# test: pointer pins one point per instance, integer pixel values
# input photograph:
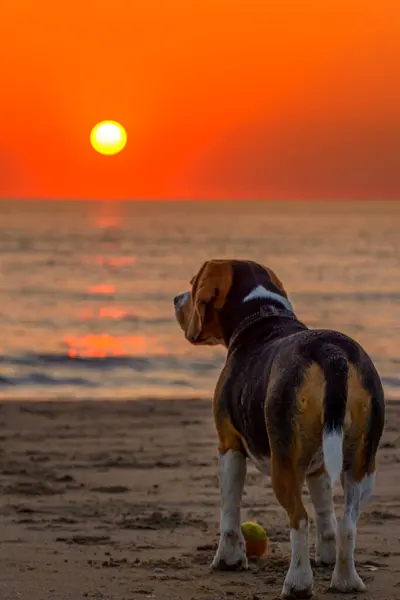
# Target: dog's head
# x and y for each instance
(222, 294)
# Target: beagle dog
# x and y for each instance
(303, 405)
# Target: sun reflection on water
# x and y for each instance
(105, 346)
(102, 289)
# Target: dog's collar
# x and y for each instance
(264, 312)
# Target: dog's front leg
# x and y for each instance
(231, 549)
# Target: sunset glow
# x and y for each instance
(265, 100)
(106, 346)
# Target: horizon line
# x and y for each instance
(188, 200)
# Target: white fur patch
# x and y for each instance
(367, 489)
(300, 576)
(320, 490)
(357, 494)
(333, 453)
(260, 292)
(231, 548)
(232, 477)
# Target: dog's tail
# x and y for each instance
(336, 368)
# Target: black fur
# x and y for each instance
(288, 346)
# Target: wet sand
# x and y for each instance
(121, 501)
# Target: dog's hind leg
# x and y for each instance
(357, 494)
(320, 489)
(287, 482)
(366, 411)
(293, 424)
(358, 479)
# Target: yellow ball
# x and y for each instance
(255, 537)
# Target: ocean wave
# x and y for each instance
(43, 380)
(136, 363)
(390, 382)
(109, 377)
(61, 359)
(347, 296)
(85, 295)
(52, 373)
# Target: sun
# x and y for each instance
(108, 137)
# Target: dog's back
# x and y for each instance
(298, 393)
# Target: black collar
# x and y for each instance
(264, 312)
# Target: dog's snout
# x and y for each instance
(180, 300)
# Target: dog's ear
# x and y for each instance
(210, 289)
(276, 281)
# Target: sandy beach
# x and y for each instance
(120, 500)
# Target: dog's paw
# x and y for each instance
(231, 553)
(298, 583)
(347, 583)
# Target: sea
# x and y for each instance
(86, 288)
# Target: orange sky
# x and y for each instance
(220, 98)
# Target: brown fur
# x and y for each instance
(228, 437)
(210, 288)
(358, 409)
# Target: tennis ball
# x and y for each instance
(255, 538)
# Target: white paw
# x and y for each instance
(347, 582)
(231, 553)
(298, 583)
(326, 551)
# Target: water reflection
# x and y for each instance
(115, 261)
(105, 346)
(106, 258)
(102, 289)
(106, 215)
(110, 261)
(105, 312)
